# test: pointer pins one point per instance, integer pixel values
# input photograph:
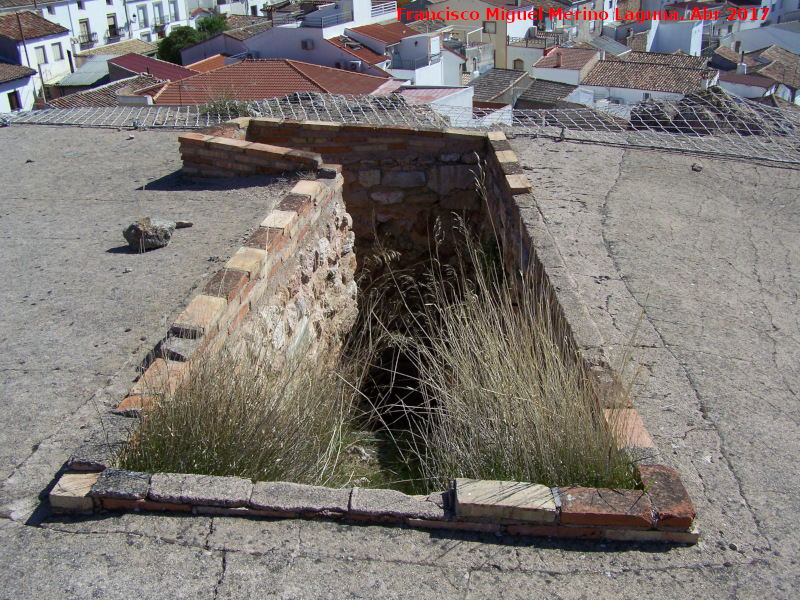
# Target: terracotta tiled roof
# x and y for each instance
(638, 41)
(572, 58)
(784, 66)
(120, 48)
(658, 58)
(33, 26)
(652, 77)
(10, 72)
(547, 91)
(136, 63)
(493, 83)
(389, 34)
(239, 21)
(244, 33)
(360, 51)
(510, 4)
(777, 102)
(105, 95)
(21, 3)
(208, 64)
(258, 79)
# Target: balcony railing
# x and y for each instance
(87, 38)
(160, 20)
(329, 21)
(385, 8)
(414, 64)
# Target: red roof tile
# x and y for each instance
(208, 64)
(641, 76)
(33, 26)
(359, 51)
(571, 58)
(258, 79)
(160, 69)
(389, 34)
(105, 95)
(10, 72)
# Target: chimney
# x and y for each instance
(737, 46)
(741, 68)
(559, 60)
(704, 81)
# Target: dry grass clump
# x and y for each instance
(487, 388)
(238, 415)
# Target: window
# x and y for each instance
(254, 11)
(519, 64)
(51, 10)
(591, 25)
(58, 54)
(141, 11)
(109, 2)
(146, 37)
(14, 101)
(41, 55)
(158, 14)
(81, 5)
(173, 10)
(85, 36)
(112, 26)
(489, 27)
(647, 95)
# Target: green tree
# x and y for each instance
(170, 47)
(211, 26)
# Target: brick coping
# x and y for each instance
(660, 511)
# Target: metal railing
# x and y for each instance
(329, 21)
(386, 8)
(87, 38)
(711, 122)
(160, 20)
(414, 64)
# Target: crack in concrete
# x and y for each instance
(686, 373)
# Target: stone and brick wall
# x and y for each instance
(296, 272)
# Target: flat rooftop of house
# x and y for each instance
(428, 25)
(125, 47)
(105, 95)
(493, 83)
(160, 69)
(32, 24)
(659, 58)
(393, 33)
(753, 79)
(571, 58)
(94, 70)
(530, 43)
(259, 79)
(641, 76)
(547, 91)
(716, 246)
(12, 72)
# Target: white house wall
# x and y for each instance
(571, 76)
(451, 69)
(629, 96)
(52, 69)
(220, 44)
(26, 89)
(745, 91)
(528, 56)
(672, 36)
(430, 75)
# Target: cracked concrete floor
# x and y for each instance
(714, 254)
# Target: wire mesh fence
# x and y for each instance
(707, 122)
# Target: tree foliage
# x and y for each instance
(213, 25)
(170, 47)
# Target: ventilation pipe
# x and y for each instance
(559, 60)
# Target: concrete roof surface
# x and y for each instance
(713, 254)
